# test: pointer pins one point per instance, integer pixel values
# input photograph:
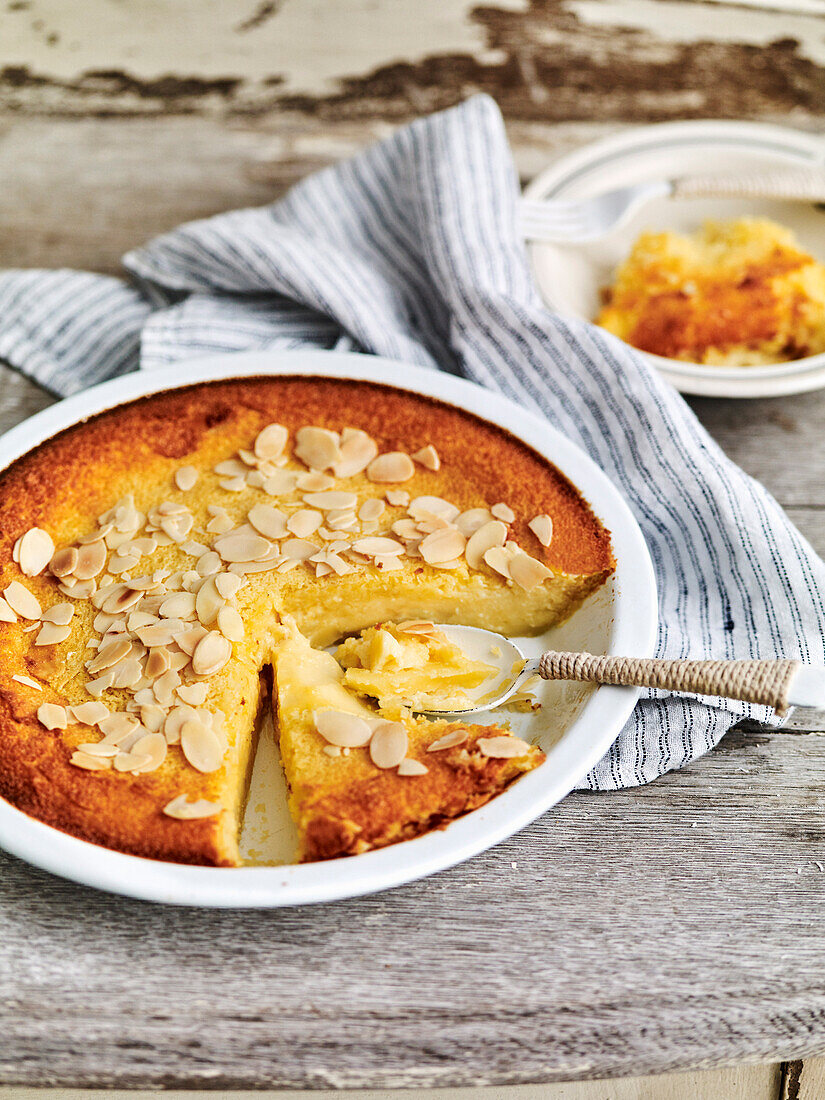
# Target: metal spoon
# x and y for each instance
(775, 683)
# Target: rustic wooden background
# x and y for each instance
(662, 929)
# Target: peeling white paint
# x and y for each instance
(310, 44)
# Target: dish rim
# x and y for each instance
(633, 633)
(773, 379)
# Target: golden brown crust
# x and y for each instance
(78, 474)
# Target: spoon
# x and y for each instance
(774, 683)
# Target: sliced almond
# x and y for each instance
(152, 717)
(175, 720)
(298, 549)
(470, 521)
(271, 441)
(98, 748)
(52, 634)
(208, 602)
(90, 763)
(109, 654)
(442, 546)
(503, 512)
(304, 522)
(377, 544)
(417, 626)
(542, 527)
(489, 535)
(91, 559)
(183, 810)
(412, 767)
(280, 483)
(502, 748)
(220, 525)
(233, 484)
(499, 559)
(317, 448)
(268, 521)
(35, 551)
(180, 605)
(450, 740)
(394, 466)
(90, 714)
(227, 585)
(230, 624)
(153, 746)
(211, 654)
(388, 745)
(185, 478)
(130, 762)
(59, 613)
(101, 684)
(331, 501)
(201, 746)
(7, 615)
(25, 603)
(231, 467)
(527, 572)
(193, 694)
(27, 681)
(158, 662)
(53, 716)
(428, 457)
(371, 510)
(208, 563)
(243, 547)
(357, 451)
(397, 498)
(188, 640)
(342, 729)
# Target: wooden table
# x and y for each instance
(676, 926)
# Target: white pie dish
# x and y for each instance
(570, 276)
(575, 732)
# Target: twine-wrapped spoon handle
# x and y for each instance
(765, 682)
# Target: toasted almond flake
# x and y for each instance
(183, 810)
(209, 602)
(188, 640)
(211, 654)
(144, 546)
(542, 527)
(489, 535)
(443, 546)
(231, 467)
(298, 549)
(98, 748)
(313, 481)
(388, 745)
(208, 563)
(121, 599)
(52, 716)
(371, 510)
(499, 559)
(393, 466)
(428, 457)
(472, 520)
(153, 746)
(90, 763)
(21, 600)
(527, 572)
(331, 501)
(90, 561)
(317, 448)
(120, 563)
(127, 674)
(98, 686)
(180, 605)
(15, 551)
(227, 585)
(268, 521)
(82, 590)
(35, 551)
(502, 748)
(412, 767)
(52, 634)
(185, 478)
(157, 663)
(59, 613)
(27, 680)
(201, 746)
(503, 512)
(110, 654)
(304, 522)
(220, 525)
(242, 547)
(89, 714)
(175, 720)
(376, 544)
(280, 483)
(6, 613)
(357, 451)
(397, 498)
(230, 624)
(152, 716)
(271, 441)
(450, 740)
(194, 694)
(233, 484)
(342, 729)
(129, 762)
(194, 549)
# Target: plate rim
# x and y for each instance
(634, 626)
(770, 380)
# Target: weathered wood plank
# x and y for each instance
(805, 1081)
(638, 932)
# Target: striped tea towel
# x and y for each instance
(411, 251)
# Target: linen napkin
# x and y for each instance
(411, 251)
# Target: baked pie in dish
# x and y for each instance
(173, 566)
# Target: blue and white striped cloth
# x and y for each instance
(411, 251)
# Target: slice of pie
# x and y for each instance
(157, 558)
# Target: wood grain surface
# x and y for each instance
(667, 928)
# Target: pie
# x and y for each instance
(177, 564)
(739, 293)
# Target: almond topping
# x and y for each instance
(330, 501)
(388, 746)
(470, 521)
(304, 522)
(242, 547)
(90, 763)
(298, 549)
(211, 654)
(499, 559)
(175, 721)
(25, 603)
(52, 716)
(152, 717)
(98, 748)
(314, 482)
(91, 559)
(442, 546)
(158, 662)
(376, 544)
(342, 729)
(502, 748)
(490, 534)
(194, 694)
(184, 810)
(527, 572)
(397, 498)
(227, 585)
(110, 654)
(185, 478)
(27, 680)
(268, 520)
(412, 767)
(428, 457)
(271, 441)
(417, 626)
(209, 602)
(60, 613)
(153, 746)
(502, 512)
(280, 483)
(208, 563)
(6, 613)
(391, 467)
(180, 605)
(317, 448)
(357, 451)
(89, 714)
(542, 527)
(449, 741)
(371, 510)
(35, 551)
(201, 746)
(230, 624)
(52, 634)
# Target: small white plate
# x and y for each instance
(576, 726)
(571, 276)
